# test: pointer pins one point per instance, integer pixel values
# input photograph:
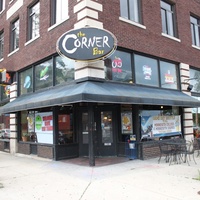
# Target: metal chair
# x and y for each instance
(188, 151)
(165, 151)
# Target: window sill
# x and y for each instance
(132, 22)
(30, 41)
(171, 37)
(10, 54)
(57, 24)
(196, 47)
(1, 59)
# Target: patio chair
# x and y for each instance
(188, 151)
(197, 141)
(165, 151)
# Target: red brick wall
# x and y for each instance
(149, 40)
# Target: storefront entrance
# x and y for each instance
(104, 133)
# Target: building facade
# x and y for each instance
(69, 108)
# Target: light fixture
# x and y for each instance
(189, 88)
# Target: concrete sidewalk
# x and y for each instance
(23, 178)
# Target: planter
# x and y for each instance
(24, 138)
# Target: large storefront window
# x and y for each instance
(146, 70)
(118, 67)
(26, 81)
(64, 70)
(160, 124)
(37, 127)
(44, 75)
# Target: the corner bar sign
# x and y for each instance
(86, 44)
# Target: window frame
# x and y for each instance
(127, 8)
(54, 7)
(2, 5)
(195, 30)
(1, 44)
(14, 37)
(168, 23)
(33, 33)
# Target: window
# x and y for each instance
(26, 81)
(146, 71)
(1, 5)
(34, 21)
(1, 44)
(160, 123)
(59, 11)
(195, 25)
(118, 67)
(195, 80)
(168, 19)
(44, 75)
(168, 74)
(15, 35)
(129, 9)
(64, 70)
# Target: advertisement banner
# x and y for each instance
(160, 126)
(44, 127)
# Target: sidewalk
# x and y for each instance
(23, 178)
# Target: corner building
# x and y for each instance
(60, 108)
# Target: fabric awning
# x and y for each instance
(100, 92)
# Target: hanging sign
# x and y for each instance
(86, 44)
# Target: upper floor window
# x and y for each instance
(1, 44)
(34, 21)
(195, 25)
(2, 5)
(168, 75)
(146, 71)
(194, 80)
(130, 9)
(64, 70)
(26, 81)
(59, 11)
(44, 75)
(15, 35)
(118, 67)
(168, 18)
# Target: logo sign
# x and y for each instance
(86, 44)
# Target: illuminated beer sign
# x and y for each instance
(86, 44)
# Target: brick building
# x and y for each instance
(70, 108)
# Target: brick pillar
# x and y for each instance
(87, 15)
(13, 121)
(187, 112)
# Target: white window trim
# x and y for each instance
(13, 52)
(171, 37)
(57, 24)
(196, 47)
(132, 22)
(32, 40)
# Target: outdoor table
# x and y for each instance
(177, 148)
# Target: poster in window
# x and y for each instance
(127, 127)
(44, 127)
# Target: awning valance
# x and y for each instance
(100, 92)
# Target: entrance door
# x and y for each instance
(104, 133)
(105, 139)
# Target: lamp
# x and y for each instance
(189, 88)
